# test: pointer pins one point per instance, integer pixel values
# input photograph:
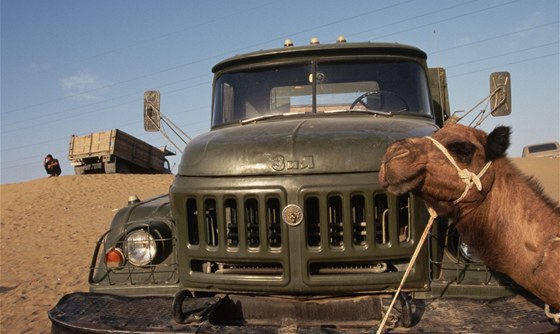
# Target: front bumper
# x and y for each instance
(102, 313)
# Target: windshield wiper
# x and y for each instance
(257, 118)
(366, 111)
(264, 117)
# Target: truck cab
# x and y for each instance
(286, 179)
(275, 219)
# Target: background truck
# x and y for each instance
(544, 150)
(276, 223)
(542, 161)
(115, 151)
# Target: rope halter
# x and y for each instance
(468, 177)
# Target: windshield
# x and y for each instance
(389, 86)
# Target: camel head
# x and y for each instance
(419, 166)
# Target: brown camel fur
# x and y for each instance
(512, 226)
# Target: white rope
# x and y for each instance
(433, 216)
(468, 177)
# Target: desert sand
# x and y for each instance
(48, 231)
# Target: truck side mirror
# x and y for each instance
(500, 93)
(151, 111)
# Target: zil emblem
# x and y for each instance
(280, 163)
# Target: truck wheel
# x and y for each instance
(79, 170)
(123, 168)
(110, 167)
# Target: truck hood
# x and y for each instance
(317, 145)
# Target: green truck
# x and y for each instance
(275, 221)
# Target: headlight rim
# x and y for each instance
(152, 245)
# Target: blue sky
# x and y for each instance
(76, 67)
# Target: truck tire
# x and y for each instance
(110, 168)
(123, 168)
(79, 170)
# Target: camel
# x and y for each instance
(498, 211)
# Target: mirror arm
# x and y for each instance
(174, 127)
(171, 141)
(502, 97)
(487, 98)
(482, 116)
(473, 108)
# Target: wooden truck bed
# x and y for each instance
(118, 143)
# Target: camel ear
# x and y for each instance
(498, 142)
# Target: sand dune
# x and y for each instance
(48, 231)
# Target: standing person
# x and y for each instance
(52, 166)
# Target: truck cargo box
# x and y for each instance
(115, 151)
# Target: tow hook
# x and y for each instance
(197, 310)
(406, 311)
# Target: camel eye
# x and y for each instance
(463, 151)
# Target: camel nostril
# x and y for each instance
(401, 153)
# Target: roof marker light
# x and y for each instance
(288, 43)
(133, 199)
(341, 39)
(314, 41)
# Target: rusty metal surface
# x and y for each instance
(99, 313)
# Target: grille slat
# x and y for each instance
(312, 219)
(252, 222)
(359, 224)
(211, 222)
(336, 227)
(231, 220)
(273, 222)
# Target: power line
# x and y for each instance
(449, 76)
(34, 157)
(102, 87)
(448, 19)
(149, 40)
(199, 84)
(504, 64)
(192, 62)
(342, 20)
(501, 55)
(415, 17)
(19, 147)
(92, 111)
(108, 100)
(241, 49)
(493, 38)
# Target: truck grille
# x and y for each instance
(344, 232)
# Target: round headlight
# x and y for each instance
(468, 253)
(140, 247)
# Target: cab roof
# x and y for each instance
(311, 50)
